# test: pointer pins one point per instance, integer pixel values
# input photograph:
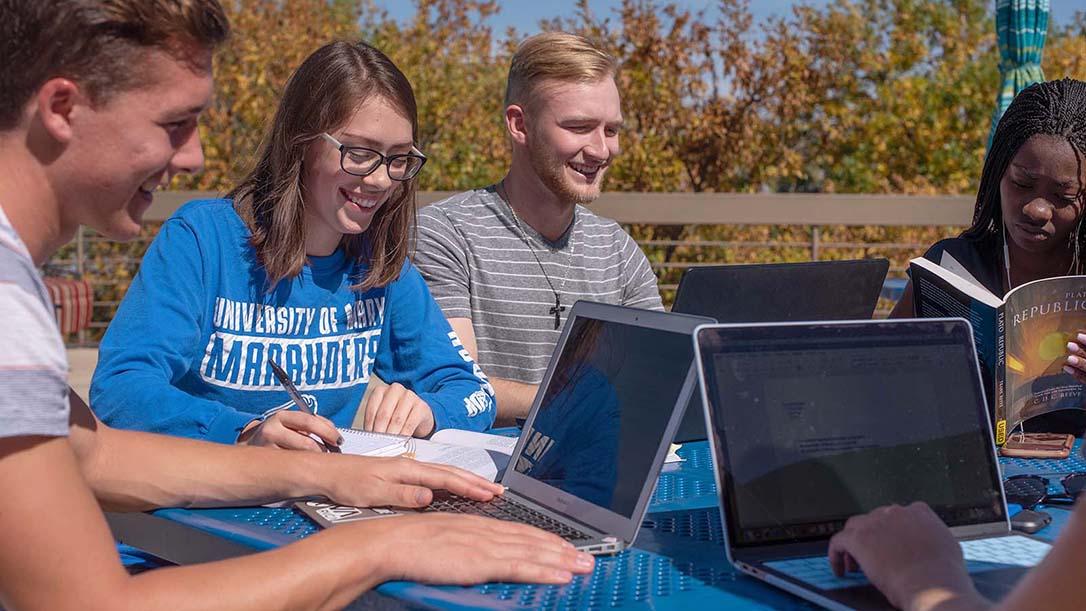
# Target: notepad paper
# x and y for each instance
(481, 453)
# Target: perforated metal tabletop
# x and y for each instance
(678, 560)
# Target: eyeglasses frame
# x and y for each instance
(383, 160)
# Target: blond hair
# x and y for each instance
(555, 56)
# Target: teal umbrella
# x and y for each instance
(1021, 28)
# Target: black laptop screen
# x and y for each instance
(817, 423)
(605, 411)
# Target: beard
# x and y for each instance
(551, 171)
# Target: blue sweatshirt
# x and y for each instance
(187, 353)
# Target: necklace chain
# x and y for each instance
(558, 308)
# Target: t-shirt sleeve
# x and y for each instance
(441, 257)
(639, 282)
(33, 364)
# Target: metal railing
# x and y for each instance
(675, 224)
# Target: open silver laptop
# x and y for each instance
(812, 423)
(600, 427)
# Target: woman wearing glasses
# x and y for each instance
(303, 265)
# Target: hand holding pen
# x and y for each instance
(292, 430)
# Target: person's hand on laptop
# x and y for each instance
(909, 554)
(367, 481)
(458, 549)
(290, 430)
(395, 409)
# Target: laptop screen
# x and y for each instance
(816, 423)
(605, 411)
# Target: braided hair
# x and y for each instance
(1053, 108)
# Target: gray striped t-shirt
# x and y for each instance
(478, 266)
(33, 364)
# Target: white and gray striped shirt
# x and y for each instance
(33, 364)
(479, 266)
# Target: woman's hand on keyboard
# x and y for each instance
(909, 554)
(366, 481)
(457, 549)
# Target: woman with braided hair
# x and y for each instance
(1027, 226)
(1028, 222)
(1028, 219)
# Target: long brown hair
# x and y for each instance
(321, 95)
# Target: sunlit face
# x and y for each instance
(338, 203)
(124, 148)
(573, 137)
(1041, 194)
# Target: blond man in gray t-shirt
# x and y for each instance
(506, 262)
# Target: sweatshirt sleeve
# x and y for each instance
(151, 342)
(420, 351)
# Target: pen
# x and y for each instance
(284, 380)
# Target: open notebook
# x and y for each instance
(481, 453)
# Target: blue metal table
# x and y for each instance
(678, 560)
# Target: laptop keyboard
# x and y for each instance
(980, 555)
(506, 509)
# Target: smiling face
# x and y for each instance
(572, 137)
(1042, 196)
(125, 147)
(338, 203)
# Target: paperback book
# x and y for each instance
(1021, 339)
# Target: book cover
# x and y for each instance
(1021, 340)
(1042, 316)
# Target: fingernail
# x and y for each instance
(420, 497)
(1072, 360)
(585, 560)
(1068, 370)
(1072, 347)
(1081, 337)
(339, 441)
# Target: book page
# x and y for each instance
(952, 265)
(472, 439)
(482, 459)
(484, 463)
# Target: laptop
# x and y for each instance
(777, 292)
(599, 429)
(813, 423)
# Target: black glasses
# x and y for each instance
(1032, 490)
(362, 161)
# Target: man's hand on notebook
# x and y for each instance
(909, 554)
(453, 549)
(367, 481)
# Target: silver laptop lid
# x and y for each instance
(812, 423)
(605, 414)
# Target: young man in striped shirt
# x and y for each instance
(506, 262)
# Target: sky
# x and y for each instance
(524, 15)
